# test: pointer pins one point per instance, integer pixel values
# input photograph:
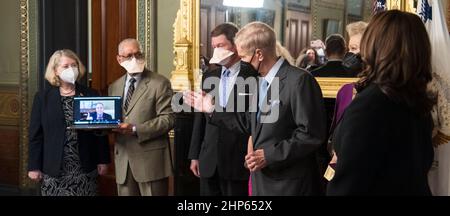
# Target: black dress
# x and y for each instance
(73, 181)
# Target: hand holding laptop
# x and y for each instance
(125, 128)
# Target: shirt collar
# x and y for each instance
(274, 70)
(234, 69)
(137, 77)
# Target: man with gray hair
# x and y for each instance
(142, 153)
(283, 161)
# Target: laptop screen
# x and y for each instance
(97, 110)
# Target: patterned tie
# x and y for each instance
(129, 93)
(223, 97)
(262, 94)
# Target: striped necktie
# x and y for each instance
(129, 93)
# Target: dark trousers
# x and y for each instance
(217, 186)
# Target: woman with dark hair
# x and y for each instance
(308, 59)
(383, 142)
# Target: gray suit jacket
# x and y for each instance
(291, 141)
(150, 110)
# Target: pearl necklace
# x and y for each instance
(67, 92)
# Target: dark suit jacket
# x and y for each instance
(215, 146)
(106, 116)
(383, 148)
(332, 69)
(290, 143)
(47, 135)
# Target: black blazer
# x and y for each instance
(332, 69)
(215, 146)
(289, 143)
(383, 148)
(106, 116)
(47, 135)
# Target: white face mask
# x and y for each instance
(221, 56)
(69, 75)
(133, 66)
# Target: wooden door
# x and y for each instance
(112, 21)
(298, 31)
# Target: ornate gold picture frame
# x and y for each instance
(187, 48)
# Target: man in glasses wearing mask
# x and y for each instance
(142, 153)
(217, 154)
(283, 161)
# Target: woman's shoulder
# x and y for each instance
(372, 100)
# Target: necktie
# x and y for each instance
(99, 117)
(223, 96)
(129, 93)
(262, 94)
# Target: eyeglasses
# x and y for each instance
(68, 65)
(138, 56)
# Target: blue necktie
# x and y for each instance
(223, 96)
(263, 85)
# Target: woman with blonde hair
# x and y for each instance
(65, 161)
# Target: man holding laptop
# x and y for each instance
(142, 151)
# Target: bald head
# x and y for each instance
(129, 42)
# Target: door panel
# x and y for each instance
(112, 21)
(298, 30)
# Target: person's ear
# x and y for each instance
(259, 54)
(118, 59)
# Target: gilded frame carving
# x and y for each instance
(146, 30)
(186, 47)
(28, 79)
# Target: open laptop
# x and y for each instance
(96, 112)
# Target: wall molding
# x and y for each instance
(10, 106)
(146, 30)
(28, 80)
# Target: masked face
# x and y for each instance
(221, 56)
(353, 62)
(251, 63)
(133, 65)
(69, 75)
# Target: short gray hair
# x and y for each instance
(256, 35)
(129, 41)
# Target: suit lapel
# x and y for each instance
(141, 88)
(281, 75)
(119, 88)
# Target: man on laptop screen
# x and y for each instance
(97, 112)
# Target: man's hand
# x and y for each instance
(202, 101)
(125, 128)
(35, 175)
(255, 160)
(195, 168)
(102, 169)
